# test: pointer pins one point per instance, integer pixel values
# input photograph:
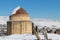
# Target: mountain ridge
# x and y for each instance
(4, 19)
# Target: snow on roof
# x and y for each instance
(14, 11)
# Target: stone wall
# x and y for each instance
(19, 27)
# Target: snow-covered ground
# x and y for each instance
(29, 37)
(54, 36)
(19, 37)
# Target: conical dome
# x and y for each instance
(19, 10)
(19, 14)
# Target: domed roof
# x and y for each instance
(19, 14)
(19, 10)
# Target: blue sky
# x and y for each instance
(36, 8)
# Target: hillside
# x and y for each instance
(3, 19)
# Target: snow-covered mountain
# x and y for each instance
(3, 19)
(46, 22)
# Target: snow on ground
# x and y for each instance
(54, 36)
(19, 37)
(29, 37)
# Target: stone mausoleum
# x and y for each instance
(19, 22)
